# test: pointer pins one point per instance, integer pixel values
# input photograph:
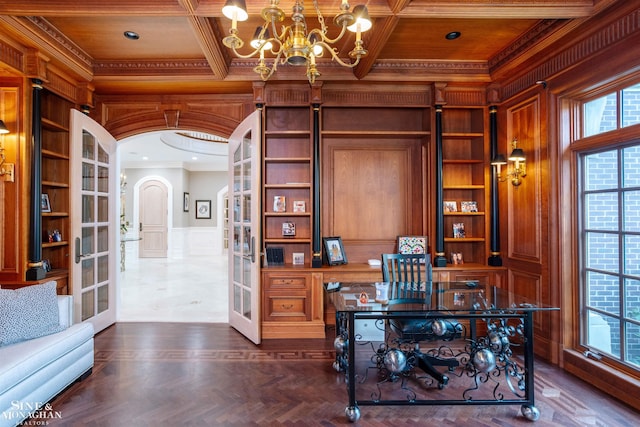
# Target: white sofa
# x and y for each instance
(33, 372)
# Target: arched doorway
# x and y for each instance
(189, 283)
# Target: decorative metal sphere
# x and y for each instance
(439, 327)
(340, 345)
(352, 413)
(484, 360)
(499, 342)
(395, 361)
(530, 412)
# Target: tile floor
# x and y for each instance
(174, 289)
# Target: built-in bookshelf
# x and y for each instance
(464, 184)
(287, 178)
(56, 229)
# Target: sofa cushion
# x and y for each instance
(28, 312)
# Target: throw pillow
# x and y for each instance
(29, 312)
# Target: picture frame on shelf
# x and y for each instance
(279, 204)
(45, 204)
(203, 209)
(456, 258)
(458, 230)
(450, 206)
(299, 206)
(288, 229)
(334, 250)
(413, 244)
(185, 202)
(469, 206)
(298, 258)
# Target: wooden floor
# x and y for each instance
(181, 374)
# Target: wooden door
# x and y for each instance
(153, 220)
(244, 257)
(94, 221)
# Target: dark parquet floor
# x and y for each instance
(170, 374)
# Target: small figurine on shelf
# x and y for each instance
(56, 237)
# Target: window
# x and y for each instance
(613, 111)
(610, 244)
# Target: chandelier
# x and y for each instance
(295, 44)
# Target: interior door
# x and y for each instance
(94, 223)
(244, 197)
(153, 227)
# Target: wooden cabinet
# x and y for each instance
(287, 180)
(465, 179)
(55, 183)
(292, 303)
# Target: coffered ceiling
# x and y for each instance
(180, 47)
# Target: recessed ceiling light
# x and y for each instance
(452, 35)
(131, 35)
(194, 158)
(145, 158)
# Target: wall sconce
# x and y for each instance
(518, 170)
(6, 169)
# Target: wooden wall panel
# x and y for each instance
(10, 108)
(525, 201)
(370, 193)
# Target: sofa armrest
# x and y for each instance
(65, 310)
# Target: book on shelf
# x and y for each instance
(450, 206)
(288, 228)
(299, 206)
(275, 256)
(458, 230)
(469, 206)
(279, 204)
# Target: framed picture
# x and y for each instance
(288, 228)
(44, 203)
(413, 244)
(458, 230)
(203, 209)
(298, 258)
(334, 250)
(185, 202)
(299, 206)
(450, 206)
(279, 204)
(470, 206)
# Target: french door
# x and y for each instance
(244, 256)
(94, 225)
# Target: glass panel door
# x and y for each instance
(94, 221)
(244, 185)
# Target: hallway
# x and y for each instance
(180, 288)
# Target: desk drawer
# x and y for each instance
(276, 282)
(289, 306)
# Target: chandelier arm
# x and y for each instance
(334, 55)
(323, 36)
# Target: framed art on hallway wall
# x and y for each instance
(203, 209)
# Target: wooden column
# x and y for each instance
(316, 261)
(439, 260)
(35, 270)
(494, 258)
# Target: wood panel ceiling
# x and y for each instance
(180, 48)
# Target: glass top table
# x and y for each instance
(469, 296)
(402, 343)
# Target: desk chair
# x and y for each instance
(406, 272)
